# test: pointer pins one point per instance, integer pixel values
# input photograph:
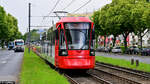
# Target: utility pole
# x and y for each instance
(29, 18)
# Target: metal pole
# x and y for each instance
(29, 25)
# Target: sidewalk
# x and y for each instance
(144, 59)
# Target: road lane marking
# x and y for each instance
(3, 62)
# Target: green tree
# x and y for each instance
(35, 36)
(8, 27)
(141, 17)
(3, 26)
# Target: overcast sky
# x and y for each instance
(19, 9)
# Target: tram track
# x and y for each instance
(140, 74)
(101, 80)
(124, 76)
(85, 78)
(106, 74)
(71, 80)
(79, 78)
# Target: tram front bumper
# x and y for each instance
(87, 63)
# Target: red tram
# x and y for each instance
(70, 44)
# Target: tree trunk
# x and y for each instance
(114, 41)
(96, 36)
(141, 43)
(2, 43)
(104, 41)
(125, 41)
(141, 36)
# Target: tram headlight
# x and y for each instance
(92, 52)
(63, 53)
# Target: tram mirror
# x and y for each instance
(57, 34)
(93, 34)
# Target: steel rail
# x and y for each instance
(71, 80)
(119, 77)
(123, 70)
(101, 80)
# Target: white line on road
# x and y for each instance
(3, 62)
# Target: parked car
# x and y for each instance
(116, 50)
(10, 45)
(148, 51)
(136, 50)
(145, 51)
(107, 49)
(132, 50)
(100, 49)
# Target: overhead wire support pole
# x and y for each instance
(29, 18)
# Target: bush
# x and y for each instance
(122, 49)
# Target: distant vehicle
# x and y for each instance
(136, 50)
(100, 49)
(107, 49)
(145, 51)
(148, 51)
(19, 45)
(116, 50)
(10, 45)
(133, 50)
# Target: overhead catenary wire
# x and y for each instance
(51, 9)
(44, 17)
(54, 7)
(69, 4)
(82, 6)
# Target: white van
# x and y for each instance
(19, 45)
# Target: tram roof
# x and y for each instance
(75, 19)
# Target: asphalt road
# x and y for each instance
(10, 65)
(144, 59)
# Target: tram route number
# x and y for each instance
(7, 82)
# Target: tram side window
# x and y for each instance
(42, 47)
(53, 38)
(56, 36)
(62, 40)
(93, 39)
(47, 48)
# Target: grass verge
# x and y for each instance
(123, 63)
(36, 71)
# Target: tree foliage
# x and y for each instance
(35, 36)
(122, 17)
(8, 27)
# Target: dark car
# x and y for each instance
(136, 50)
(145, 51)
(116, 50)
(133, 50)
(107, 49)
(10, 45)
(100, 49)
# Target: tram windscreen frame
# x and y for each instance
(78, 35)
